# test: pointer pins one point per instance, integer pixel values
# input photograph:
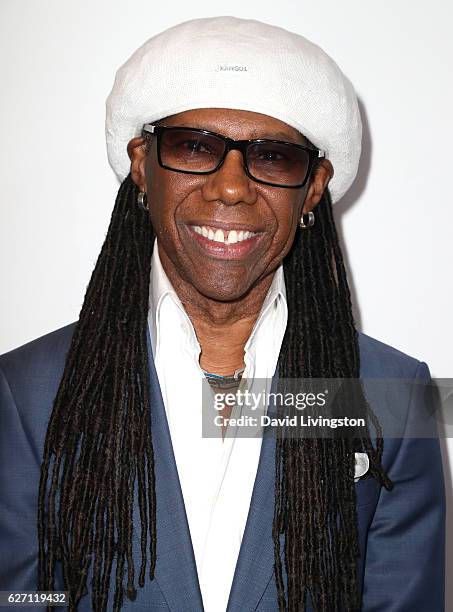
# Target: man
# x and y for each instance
(221, 262)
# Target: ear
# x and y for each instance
(318, 183)
(136, 149)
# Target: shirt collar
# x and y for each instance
(160, 290)
(276, 292)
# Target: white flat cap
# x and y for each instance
(226, 62)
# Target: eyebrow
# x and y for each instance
(274, 136)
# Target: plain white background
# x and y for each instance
(58, 61)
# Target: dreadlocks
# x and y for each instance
(94, 453)
(99, 443)
(315, 494)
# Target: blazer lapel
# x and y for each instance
(255, 565)
(176, 572)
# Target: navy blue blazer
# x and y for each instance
(402, 532)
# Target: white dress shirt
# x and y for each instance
(216, 476)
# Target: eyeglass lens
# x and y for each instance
(271, 162)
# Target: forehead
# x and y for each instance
(237, 124)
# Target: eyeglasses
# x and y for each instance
(195, 151)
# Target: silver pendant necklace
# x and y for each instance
(224, 382)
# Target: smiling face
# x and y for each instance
(221, 233)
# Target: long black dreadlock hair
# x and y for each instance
(99, 439)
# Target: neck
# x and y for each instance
(222, 343)
(222, 328)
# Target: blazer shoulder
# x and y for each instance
(380, 359)
(35, 360)
(60, 337)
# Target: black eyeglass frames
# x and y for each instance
(196, 151)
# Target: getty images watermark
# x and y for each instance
(329, 408)
(299, 401)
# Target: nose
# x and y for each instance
(230, 184)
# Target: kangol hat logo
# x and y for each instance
(231, 68)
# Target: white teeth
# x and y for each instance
(232, 237)
(218, 236)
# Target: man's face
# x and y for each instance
(226, 200)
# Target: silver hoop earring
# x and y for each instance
(311, 220)
(142, 200)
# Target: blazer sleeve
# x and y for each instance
(405, 556)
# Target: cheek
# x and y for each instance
(159, 211)
(163, 198)
(287, 214)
